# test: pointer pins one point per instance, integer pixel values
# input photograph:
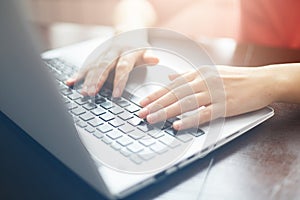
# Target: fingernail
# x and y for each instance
(144, 101)
(116, 92)
(177, 125)
(142, 113)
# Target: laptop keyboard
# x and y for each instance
(115, 121)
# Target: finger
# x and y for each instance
(163, 91)
(179, 80)
(193, 121)
(184, 105)
(94, 80)
(191, 88)
(76, 77)
(149, 58)
(173, 96)
(124, 66)
(173, 76)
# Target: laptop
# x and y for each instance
(101, 139)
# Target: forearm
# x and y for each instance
(286, 82)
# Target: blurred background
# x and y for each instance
(64, 22)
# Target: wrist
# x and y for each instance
(271, 83)
(280, 78)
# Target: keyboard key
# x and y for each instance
(173, 119)
(78, 111)
(125, 152)
(159, 148)
(89, 106)
(81, 124)
(196, 133)
(156, 133)
(66, 91)
(147, 154)
(171, 131)
(71, 105)
(167, 125)
(116, 122)
(96, 122)
(87, 116)
(125, 140)
(62, 86)
(82, 101)
(61, 77)
(66, 100)
(126, 128)
(114, 134)
(116, 146)
(136, 134)
(125, 115)
(98, 111)
(169, 141)
(132, 108)
(116, 110)
(99, 100)
(122, 102)
(107, 116)
(184, 137)
(107, 140)
(162, 125)
(90, 129)
(75, 96)
(98, 134)
(76, 119)
(145, 127)
(135, 121)
(104, 128)
(147, 141)
(67, 70)
(107, 105)
(137, 160)
(135, 147)
(106, 92)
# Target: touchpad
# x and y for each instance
(144, 80)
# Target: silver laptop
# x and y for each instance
(101, 139)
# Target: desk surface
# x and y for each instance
(264, 163)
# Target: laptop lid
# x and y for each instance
(29, 96)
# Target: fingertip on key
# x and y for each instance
(143, 113)
(70, 82)
(116, 93)
(177, 125)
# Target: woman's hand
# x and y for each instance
(244, 89)
(95, 75)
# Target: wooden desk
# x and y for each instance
(262, 164)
